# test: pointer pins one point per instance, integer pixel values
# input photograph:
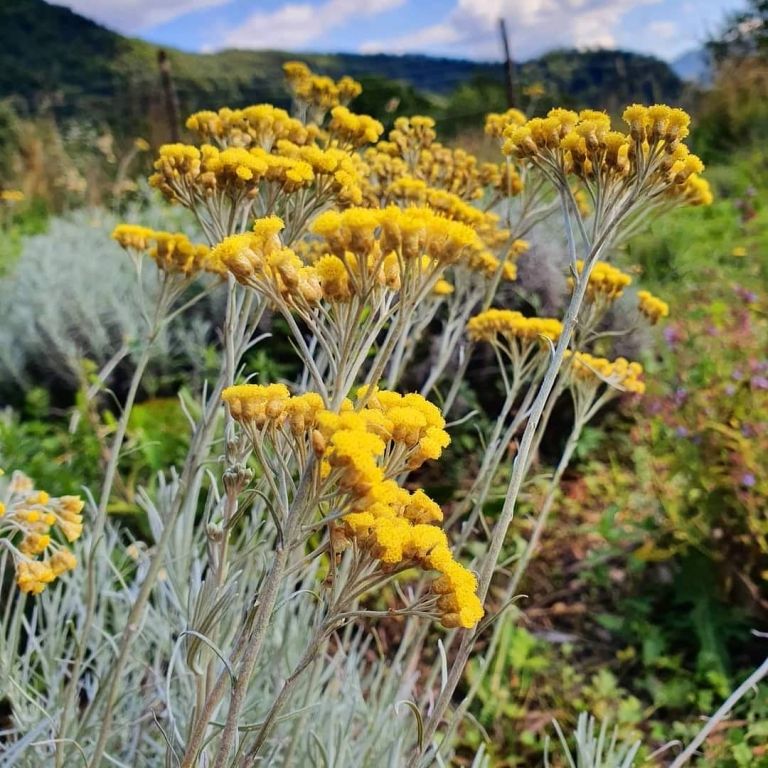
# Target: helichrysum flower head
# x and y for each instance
(260, 125)
(652, 307)
(512, 326)
(651, 156)
(354, 130)
(592, 371)
(362, 449)
(259, 259)
(171, 251)
(496, 124)
(606, 283)
(317, 93)
(32, 525)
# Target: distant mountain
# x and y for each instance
(694, 66)
(52, 58)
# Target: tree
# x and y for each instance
(744, 34)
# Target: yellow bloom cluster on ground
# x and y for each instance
(606, 282)
(171, 251)
(28, 517)
(512, 326)
(651, 306)
(619, 373)
(362, 450)
(585, 145)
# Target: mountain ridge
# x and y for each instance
(51, 58)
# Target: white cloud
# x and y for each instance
(471, 28)
(294, 25)
(132, 16)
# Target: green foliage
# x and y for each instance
(24, 219)
(60, 454)
(387, 99)
(601, 79)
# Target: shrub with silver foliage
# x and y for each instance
(73, 294)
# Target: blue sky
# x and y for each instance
(457, 28)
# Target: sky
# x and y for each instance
(455, 28)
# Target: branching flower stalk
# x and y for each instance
(172, 285)
(188, 484)
(558, 147)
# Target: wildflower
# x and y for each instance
(748, 480)
(29, 522)
(443, 288)
(172, 252)
(361, 452)
(356, 130)
(496, 124)
(256, 404)
(650, 306)
(512, 326)
(651, 156)
(606, 283)
(620, 374)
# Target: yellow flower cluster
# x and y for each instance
(11, 195)
(606, 282)
(27, 519)
(258, 259)
(335, 169)
(261, 145)
(183, 170)
(411, 151)
(353, 130)
(497, 123)
(272, 406)
(502, 177)
(651, 306)
(362, 450)
(318, 92)
(171, 251)
(364, 248)
(261, 125)
(620, 373)
(584, 144)
(411, 233)
(397, 527)
(412, 134)
(512, 326)
(696, 191)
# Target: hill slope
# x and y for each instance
(53, 58)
